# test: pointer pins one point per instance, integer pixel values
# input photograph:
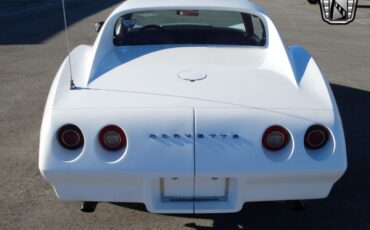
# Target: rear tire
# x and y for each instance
(88, 206)
(296, 205)
(313, 2)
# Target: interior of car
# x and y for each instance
(188, 27)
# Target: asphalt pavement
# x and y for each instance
(32, 47)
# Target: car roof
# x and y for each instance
(231, 5)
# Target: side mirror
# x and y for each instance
(98, 26)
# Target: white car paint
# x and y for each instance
(239, 90)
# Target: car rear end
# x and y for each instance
(187, 160)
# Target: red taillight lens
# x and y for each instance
(70, 137)
(112, 138)
(316, 137)
(275, 138)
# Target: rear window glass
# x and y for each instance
(189, 27)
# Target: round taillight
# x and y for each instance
(275, 138)
(70, 137)
(112, 138)
(316, 137)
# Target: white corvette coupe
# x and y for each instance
(190, 106)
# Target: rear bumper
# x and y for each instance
(106, 186)
(200, 174)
